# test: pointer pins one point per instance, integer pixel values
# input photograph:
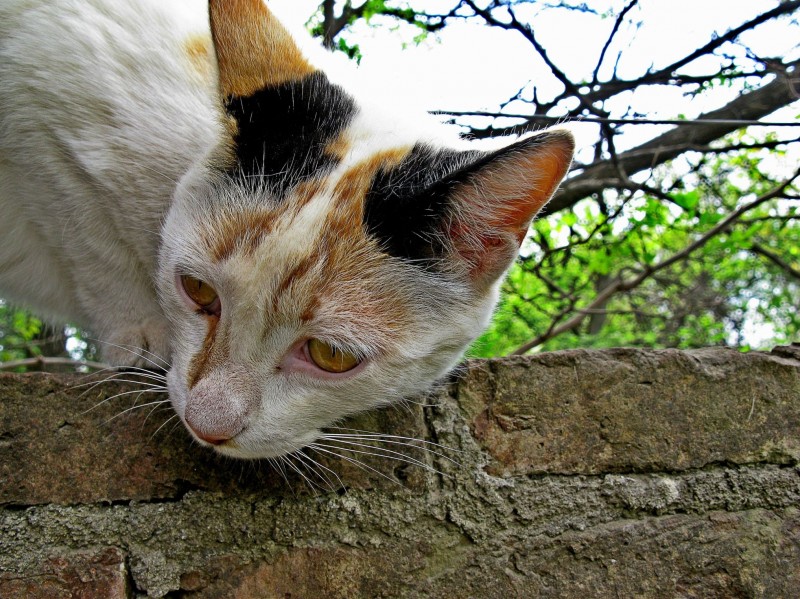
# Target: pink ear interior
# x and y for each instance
(497, 203)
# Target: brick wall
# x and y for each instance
(613, 473)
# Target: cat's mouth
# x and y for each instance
(244, 447)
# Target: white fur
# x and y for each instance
(100, 116)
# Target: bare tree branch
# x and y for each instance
(751, 106)
(599, 92)
(612, 35)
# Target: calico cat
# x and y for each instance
(186, 180)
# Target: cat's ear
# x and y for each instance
(472, 216)
(282, 112)
(253, 49)
(494, 202)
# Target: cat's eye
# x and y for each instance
(330, 358)
(201, 293)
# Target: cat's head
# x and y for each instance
(321, 261)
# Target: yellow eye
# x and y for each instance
(330, 358)
(201, 293)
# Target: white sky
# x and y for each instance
(472, 67)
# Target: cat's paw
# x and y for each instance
(144, 345)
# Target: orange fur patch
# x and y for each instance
(349, 194)
(238, 232)
(245, 230)
(310, 310)
(353, 185)
(358, 280)
(203, 361)
(339, 147)
(199, 51)
(253, 49)
(303, 193)
(293, 276)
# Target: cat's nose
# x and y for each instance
(215, 414)
(211, 429)
(214, 439)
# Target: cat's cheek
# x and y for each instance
(297, 362)
(177, 392)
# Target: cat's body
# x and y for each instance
(102, 112)
(229, 208)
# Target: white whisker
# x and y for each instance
(277, 463)
(176, 425)
(292, 465)
(116, 377)
(96, 372)
(321, 449)
(321, 468)
(137, 351)
(387, 453)
(164, 424)
(148, 388)
(159, 411)
(156, 405)
(153, 381)
(348, 438)
(136, 407)
(372, 434)
(142, 372)
(406, 400)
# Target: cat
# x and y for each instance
(187, 180)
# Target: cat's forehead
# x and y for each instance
(309, 261)
(290, 210)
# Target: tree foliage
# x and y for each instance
(689, 238)
(18, 333)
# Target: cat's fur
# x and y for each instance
(134, 150)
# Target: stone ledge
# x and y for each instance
(583, 473)
(61, 444)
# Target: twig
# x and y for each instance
(775, 259)
(752, 105)
(610, 121)
(611, 37)
(41, 361)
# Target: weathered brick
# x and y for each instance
(73, 575)
(722, 555)
(628, 410)
(584, 474)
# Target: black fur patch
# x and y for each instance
(405, 206)
(283, 130)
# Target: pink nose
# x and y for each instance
(216, 412)
(210, 424)
(214, 439)
(215, 433)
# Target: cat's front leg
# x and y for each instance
(124, 315)
(142, 344)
